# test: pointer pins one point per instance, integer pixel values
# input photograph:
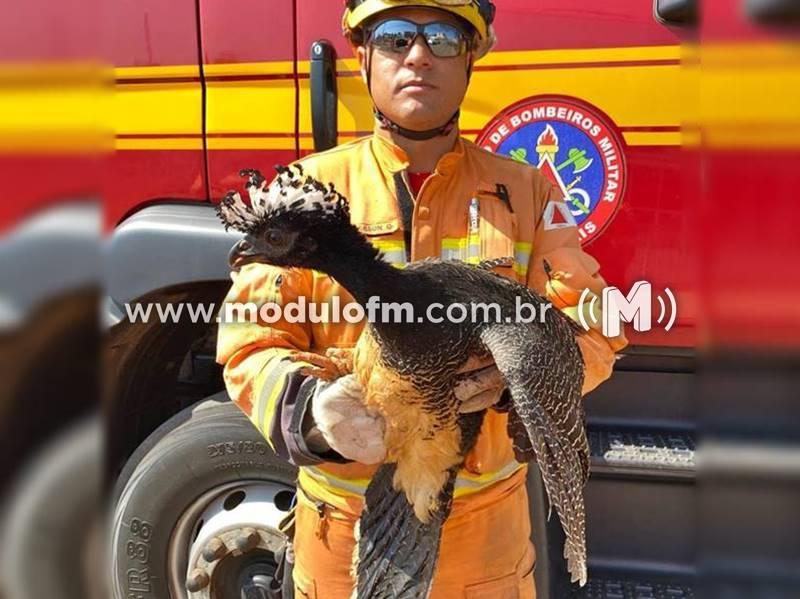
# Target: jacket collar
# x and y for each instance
(394, 159)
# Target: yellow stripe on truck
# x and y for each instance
(633, 93)
(251, 107)
(60, 108)
(167, 108)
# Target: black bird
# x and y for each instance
(409, 369)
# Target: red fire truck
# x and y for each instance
(202, 90)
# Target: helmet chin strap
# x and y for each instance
(388, 124)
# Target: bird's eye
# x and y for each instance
(274, 237)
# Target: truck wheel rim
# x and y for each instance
(224, 543)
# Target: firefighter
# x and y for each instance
(416, 189)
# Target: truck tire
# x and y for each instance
(52, 520)
(205, 476)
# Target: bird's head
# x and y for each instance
(288, 223)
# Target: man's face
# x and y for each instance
(416, 89)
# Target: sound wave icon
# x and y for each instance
(581, 311)
(674, 309)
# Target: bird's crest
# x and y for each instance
(291, 192)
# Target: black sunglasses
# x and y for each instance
(444, 40)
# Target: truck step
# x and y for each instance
(633, 589)
(623, 449)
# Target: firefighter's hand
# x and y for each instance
(480, 387)
(346, 424)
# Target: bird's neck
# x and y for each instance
(356, 264)
(367, 278)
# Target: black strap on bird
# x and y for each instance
(406, 204)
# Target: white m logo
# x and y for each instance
(636, 308)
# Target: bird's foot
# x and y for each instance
(336, 363)
(342, 357)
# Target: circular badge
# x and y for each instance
(574, 145)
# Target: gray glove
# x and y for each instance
(344, 423)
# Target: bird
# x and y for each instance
(409, 369)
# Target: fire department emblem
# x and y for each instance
(573, 145)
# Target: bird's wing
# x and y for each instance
(543, 369)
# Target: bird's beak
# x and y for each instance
(242, 253)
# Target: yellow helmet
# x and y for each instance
(478, 13)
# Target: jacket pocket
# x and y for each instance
(506, 587)
(518, 585)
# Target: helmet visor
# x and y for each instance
(486, 8)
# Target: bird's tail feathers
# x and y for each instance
(561, 470)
